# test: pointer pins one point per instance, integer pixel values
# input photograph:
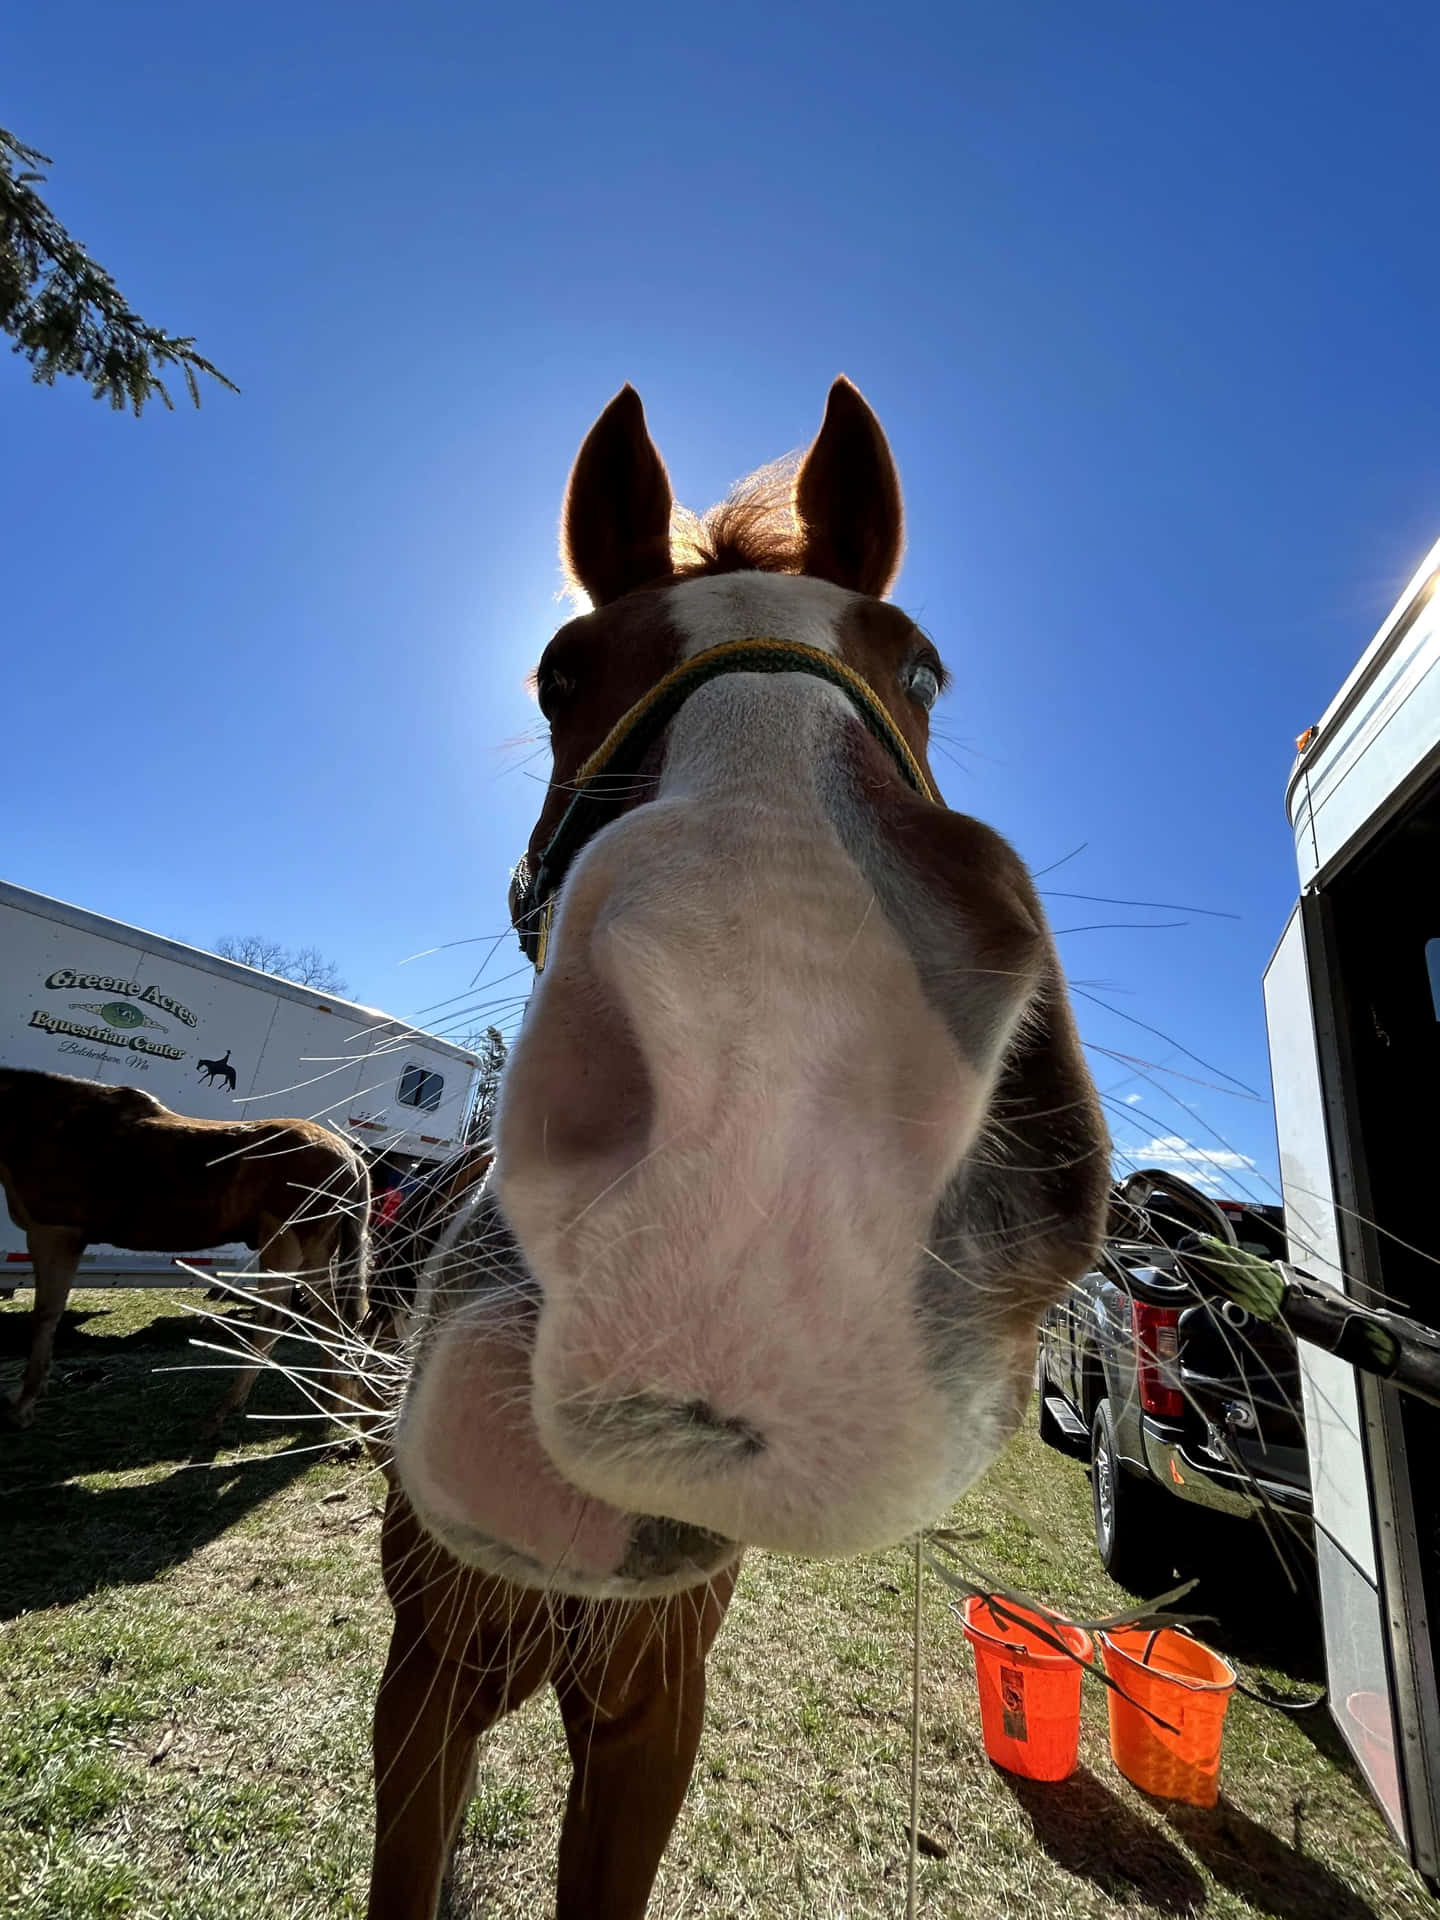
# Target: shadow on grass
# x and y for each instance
(1263, 1611)
(1266, 1610)
(1267, 1873)
(87, 1334)
(111, 1411)
(1259, 1591)
(1089, 1831)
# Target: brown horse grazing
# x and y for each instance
(794, 1147)
(80, 1162)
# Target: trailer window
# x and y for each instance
(420, 1088)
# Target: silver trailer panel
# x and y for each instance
(1355, 1634)
(1338, 1482)
(1376, 739)
(1352, 999)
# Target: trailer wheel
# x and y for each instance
(1133, 1523)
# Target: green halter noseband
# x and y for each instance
(597, 797)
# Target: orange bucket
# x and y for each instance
(1181, 1682)
(1029, 1691)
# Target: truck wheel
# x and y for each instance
(1132, 1527)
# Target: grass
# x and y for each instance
(188, 1657)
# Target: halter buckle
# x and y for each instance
(542, 937)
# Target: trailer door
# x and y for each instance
(1355, 1051)
(1356, 1633)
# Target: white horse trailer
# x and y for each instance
(1352, 1003)
(92, 997)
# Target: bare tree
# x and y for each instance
(310, 968)
(252, 950)
(306, 966)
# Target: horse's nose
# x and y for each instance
(685, 1437)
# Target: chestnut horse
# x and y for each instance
(794, 1147)
(81, 1162)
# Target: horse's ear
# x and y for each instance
(616, 527)
(847, 496)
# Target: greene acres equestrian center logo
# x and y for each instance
(125, 1023)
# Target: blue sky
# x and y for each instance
(1146, 298)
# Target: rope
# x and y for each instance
(760, 655)
(624, 746)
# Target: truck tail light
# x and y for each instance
(1156, 1332)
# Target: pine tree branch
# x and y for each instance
(65, 313)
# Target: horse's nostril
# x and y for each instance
(656, 1425)
(711, 1428)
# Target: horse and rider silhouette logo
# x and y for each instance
(221, 1069)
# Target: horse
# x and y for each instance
(794, 1147)
(400, 1245)
(629, 1676)
(213, 1070)
(82, 1162)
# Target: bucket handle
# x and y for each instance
(1251, 1693)
(1017, 1648)
(1264, 1699)
(1014, 1648)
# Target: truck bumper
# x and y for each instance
(1193, 1476)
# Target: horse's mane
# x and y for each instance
(754, 529)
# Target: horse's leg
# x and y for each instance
(633, 1707)
(336, 1289)
(465, 1650)
(55, 1254)
(280, 1257)
(424, 1776)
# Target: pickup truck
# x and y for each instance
(1176, 1398)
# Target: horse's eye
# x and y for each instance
(550, 690)
(922, 683)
